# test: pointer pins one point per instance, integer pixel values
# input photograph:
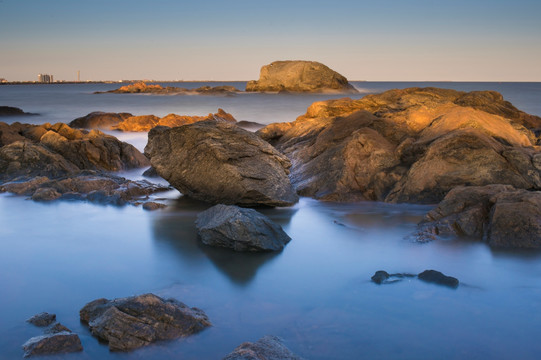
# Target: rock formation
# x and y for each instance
(218, 162)
(239, 229)
(99, 120)
(130, 323)
(42, 319)
(142, 87)
(50, 344)
(411, 145)
(499, 215)
(12, 111)
(430, 276)
(266, 348)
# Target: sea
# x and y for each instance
(316, 294)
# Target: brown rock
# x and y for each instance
(50, 344)
(266, 348)
(99, 120)
(142, 87)
(42, 319)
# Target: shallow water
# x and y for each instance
(316, 294)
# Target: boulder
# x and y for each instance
(130, 323)
(436, 277)
(239, 229)
(10, 111)
(50, 344)
(99, 120)
(500, 215)
(383, 277)
(151, 206)
(219, 162)
(42, 319)
(299, 76)
(266, 348)
(411, 145)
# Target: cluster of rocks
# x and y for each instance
(57, 339)
(143, 88)
(13, 111)
(48, 162)
(430, 276)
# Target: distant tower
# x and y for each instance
(78, 75)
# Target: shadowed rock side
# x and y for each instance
(130, 323)
(12, 111)
(99, 120)
(267, 348)
(239, 229)
(299, 76)
(411, 145)
(218, 162)
(499, 215)
(143, 88)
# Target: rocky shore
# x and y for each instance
(143, 88)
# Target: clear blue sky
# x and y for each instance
(476, 40)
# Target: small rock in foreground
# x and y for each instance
(132, 322)
(436, 277)
(42, 319)
(57, 343)
(266, 348)
(240, 229)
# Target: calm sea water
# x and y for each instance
(316, 294)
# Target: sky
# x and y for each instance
(378, 40)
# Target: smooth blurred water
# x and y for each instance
(316, 294)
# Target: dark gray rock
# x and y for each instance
(436, 277)
(239, 229)
(380, 276)
(42, 319)
(266, 348)
(151, 173)
(383, 277)
(130, 323)
(218, 162)
(99, 120)
(12, 111)
(49, 344)
(151, 206)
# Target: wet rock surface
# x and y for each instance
(239, 229)
(54, 343)
(299, 76)
(42, 319)
(266, 348)
(500, 215)
(412, 145)
(130, 323)
(219, 162)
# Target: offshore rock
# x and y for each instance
(436, 277)
(42, 319)
(50, 344)
(239, 229)
(99, 120)
(12, 111)
(500, 215)
(130, 323)
(412, 145)
(218, 162)
(299, 76)
(143, 88)
(266, 348)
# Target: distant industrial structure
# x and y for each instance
(78, 75)
(2, 80)
(45, 78)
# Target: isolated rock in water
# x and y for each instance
(436, 277)
(239, 229)
(383, 277)
(411, 145)
(142, 87)
(130, 323)
(42, 319)
(266, 348)
(299, 76)
(380, 276)
(219, 162)
(12, 111)
(499, 215)
(151, 206)
(99, 120)
(147, 122)
(50, 344)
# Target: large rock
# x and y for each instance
(411, 145)
(50, 344)
(436, 277)
(266, 348)
(130, 323)
(218, 162)
(99, 120)
(239, 229)
(499, 215)
(299, 76)
(12, 111)
(142, 87)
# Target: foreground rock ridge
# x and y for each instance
(299, 76)
(412, 145)
(130, 323)
(220, 163)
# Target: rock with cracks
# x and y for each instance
(239, 229)
(219, 162)
(51, 344)
(130, 323)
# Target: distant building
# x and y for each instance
(45, 78)
(2, 80)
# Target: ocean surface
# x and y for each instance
(316, 294)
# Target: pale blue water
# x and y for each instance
(316, 294)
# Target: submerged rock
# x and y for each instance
(266, 348)
(151, 206)
(411, 145)
(436, 277)
(130, 323)
(99, 120)
(299, 76)
(499, 215)
(50, 344)
(42, 319)
(218, 162)
(239, 229)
